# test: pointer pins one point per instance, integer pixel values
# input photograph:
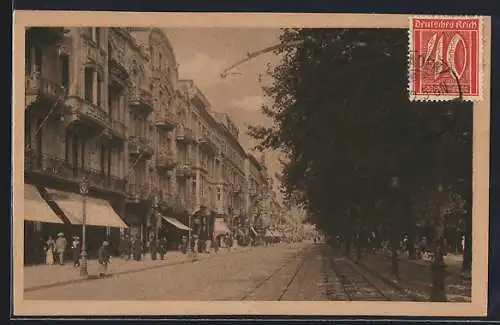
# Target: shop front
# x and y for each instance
(40, 222)
(172, 229)
(101, 219)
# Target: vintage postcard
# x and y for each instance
(250, 164)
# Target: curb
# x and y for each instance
(110, 275)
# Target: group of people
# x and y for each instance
(55, 251)
(131, 247)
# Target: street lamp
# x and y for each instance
(84, 190)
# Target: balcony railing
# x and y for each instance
(138, 191)
(236, 188)
(140, 146)
(118, 129)
(167, 200)
(166, 120)
(38, 87)
(165, 160)
(141, 100)
(45, 35)
(207, 143)
(185, 134)
(86, 111)
(48, 165)
(184, 169)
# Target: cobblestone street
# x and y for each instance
(300, 272)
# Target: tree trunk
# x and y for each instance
(394, 257)
(467, 255)
(359, 245)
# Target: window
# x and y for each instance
(97, 36)
(103, 159)
(219, 196)
(38, 59)
(65, 71)
(87, 31)
(193, 185)
(89, 84)
(99, 89)
(160, 63)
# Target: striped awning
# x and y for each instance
(98, 212)
(36, 208)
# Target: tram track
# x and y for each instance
(356, 286)
(303, 254)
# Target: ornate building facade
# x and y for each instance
(108, 104)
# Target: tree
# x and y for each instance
(343, 119)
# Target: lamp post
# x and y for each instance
(84, 189)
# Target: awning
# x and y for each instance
(176, 223)
(220, 227)
(98, 212)
(35, 207)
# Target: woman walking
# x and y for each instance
(76, 249)
(49, 251)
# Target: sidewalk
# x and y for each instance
(43, 276)
(417, 280)
(453, 263)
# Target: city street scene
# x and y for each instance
(249, 164)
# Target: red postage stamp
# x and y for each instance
(445, 58)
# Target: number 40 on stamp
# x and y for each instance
(445, 58)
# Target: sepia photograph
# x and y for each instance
(233, 164)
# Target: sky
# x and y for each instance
(203, 53)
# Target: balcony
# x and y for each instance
(208, 144)
(140, 146)
(43, 93)
(87, 116)
(236, 189)
(166, 120)
(137, 192)
(45, 35)
(117, 65)
(141, 100)
(185, 135)
(118, 129)
(165, 160)
(55, 167)
(184, 170)
(166, 200)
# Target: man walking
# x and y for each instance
(103, 254)
(162, 245)
(61, 244)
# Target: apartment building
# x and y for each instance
(107, 104)
(257, 180)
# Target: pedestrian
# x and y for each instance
(49, 251)
(153, 248)
(184, 244)
(137, 248)
(103, 257)
(216, 245)
(76, 250)
(162, 245)
(61, 244)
